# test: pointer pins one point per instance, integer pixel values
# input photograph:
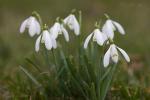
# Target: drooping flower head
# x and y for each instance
(98, 37)
(110, 26)
(112, 54)
(32, 24)
(46, 38)
(72, 23)
(58, 29)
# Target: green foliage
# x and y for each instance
(65, 76)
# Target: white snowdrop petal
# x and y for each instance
(87, 40)
(106, 59)
(108, 29)
(65, 33)
(55, 30)
(77, 29)
(54, 43)
(32, 28)
(70, 22)
(76, 26)
(105, 38)
(23, 26)
(69, 19)
(37, 44)
(110, 22)
(47, 40)
(125, 55)
(38, 27)
(99, 37)
(66, 19)
(119, 27)
(114, 53)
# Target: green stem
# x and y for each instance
(98, 85)
(54, 57)
(79, 37)
(93, 92)
(80, 19)
(80, 23)
(37, 15)
(47, 57)
(100, 73)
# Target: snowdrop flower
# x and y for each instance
(57, 29)
(110, 26)
(112, 54)
(32, 24)
(47, 39)
(98, 36)
(72, 23)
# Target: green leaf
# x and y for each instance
(106, 74)
(105, 84)
(30, 76)
(93, 92)
(34, 64)
(46, 57)
(90, 69)
(69, 66)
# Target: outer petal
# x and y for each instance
(119, 27)
(66, 19)
(105, 37)
(23, 26)
(99, 37)
(106, 59)
(111, 24)
(38, 27)
(47, 40)
(55, 30)
(114, 53)
(54, 43)
(37, 44)
(87, 40)
(124, 54)
(65, 33)
(76, 26)
(32, 27)
(108, 29)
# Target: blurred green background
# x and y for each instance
(134, 15)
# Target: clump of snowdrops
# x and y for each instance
(77, 68)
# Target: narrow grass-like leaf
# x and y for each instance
(93, 92)
(32, 63)
(83, 70)
(90, 69)
(105, 74)
(30, 76)
(86, 87)
(60, 72)
(75, 78)
(69, 66)
(105, 84)
(47, 57)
